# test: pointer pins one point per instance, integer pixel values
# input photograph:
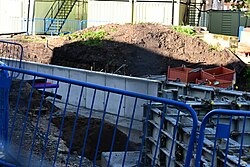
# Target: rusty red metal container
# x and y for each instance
(183, 74)
(222, 73)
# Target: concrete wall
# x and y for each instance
(132, 84)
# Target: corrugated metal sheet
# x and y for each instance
(227, 19)
(156, 12)
(11, 16)
(103, 12)
(226, 22)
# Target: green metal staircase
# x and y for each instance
(57, 15)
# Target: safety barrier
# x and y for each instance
(224, 139)
(44, 131)
(11, 51)
(70, 26)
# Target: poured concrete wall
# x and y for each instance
(139, 85)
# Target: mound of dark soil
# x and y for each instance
(137, 50)
(143, 49)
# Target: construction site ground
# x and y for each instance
(141, 50)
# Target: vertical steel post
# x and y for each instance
(4, 106)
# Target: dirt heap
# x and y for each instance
(141, 49)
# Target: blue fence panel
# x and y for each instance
(69, 26)
(224, 139)
(39, 26)
(4, 90)
(45, 129)
(11, 53)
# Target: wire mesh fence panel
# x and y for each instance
(224, 139)
(11, 54)
(54, 121)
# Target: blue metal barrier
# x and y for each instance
(40, 127)
(224, 139)
(4, 90)
(11, 53)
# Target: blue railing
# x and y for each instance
(229, 142)
(38, 126)
(11, 53)
(11, 50)
(69, 26)
(40, 114)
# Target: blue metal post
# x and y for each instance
(4, 105)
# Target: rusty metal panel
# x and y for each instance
(222, 73)
(104, 12)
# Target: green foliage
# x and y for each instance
(246, 75)
(188, 30)
(113, 30)
(247, 72)
(242, 4)
(97, 35)
(92, 42)
(90, 38)
(214, 47)
(248, 5)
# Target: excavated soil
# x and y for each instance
(35, 128)
(92, 138)
(143, 49)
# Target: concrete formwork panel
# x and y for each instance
(120, 83)
(132, 84)
(100, 96)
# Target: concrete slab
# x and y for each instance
(117, 159)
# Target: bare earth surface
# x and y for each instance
(144, 49)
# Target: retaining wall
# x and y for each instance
(140, 85)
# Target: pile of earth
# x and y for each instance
(142, 49)
(136, 50)
(145, 49)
